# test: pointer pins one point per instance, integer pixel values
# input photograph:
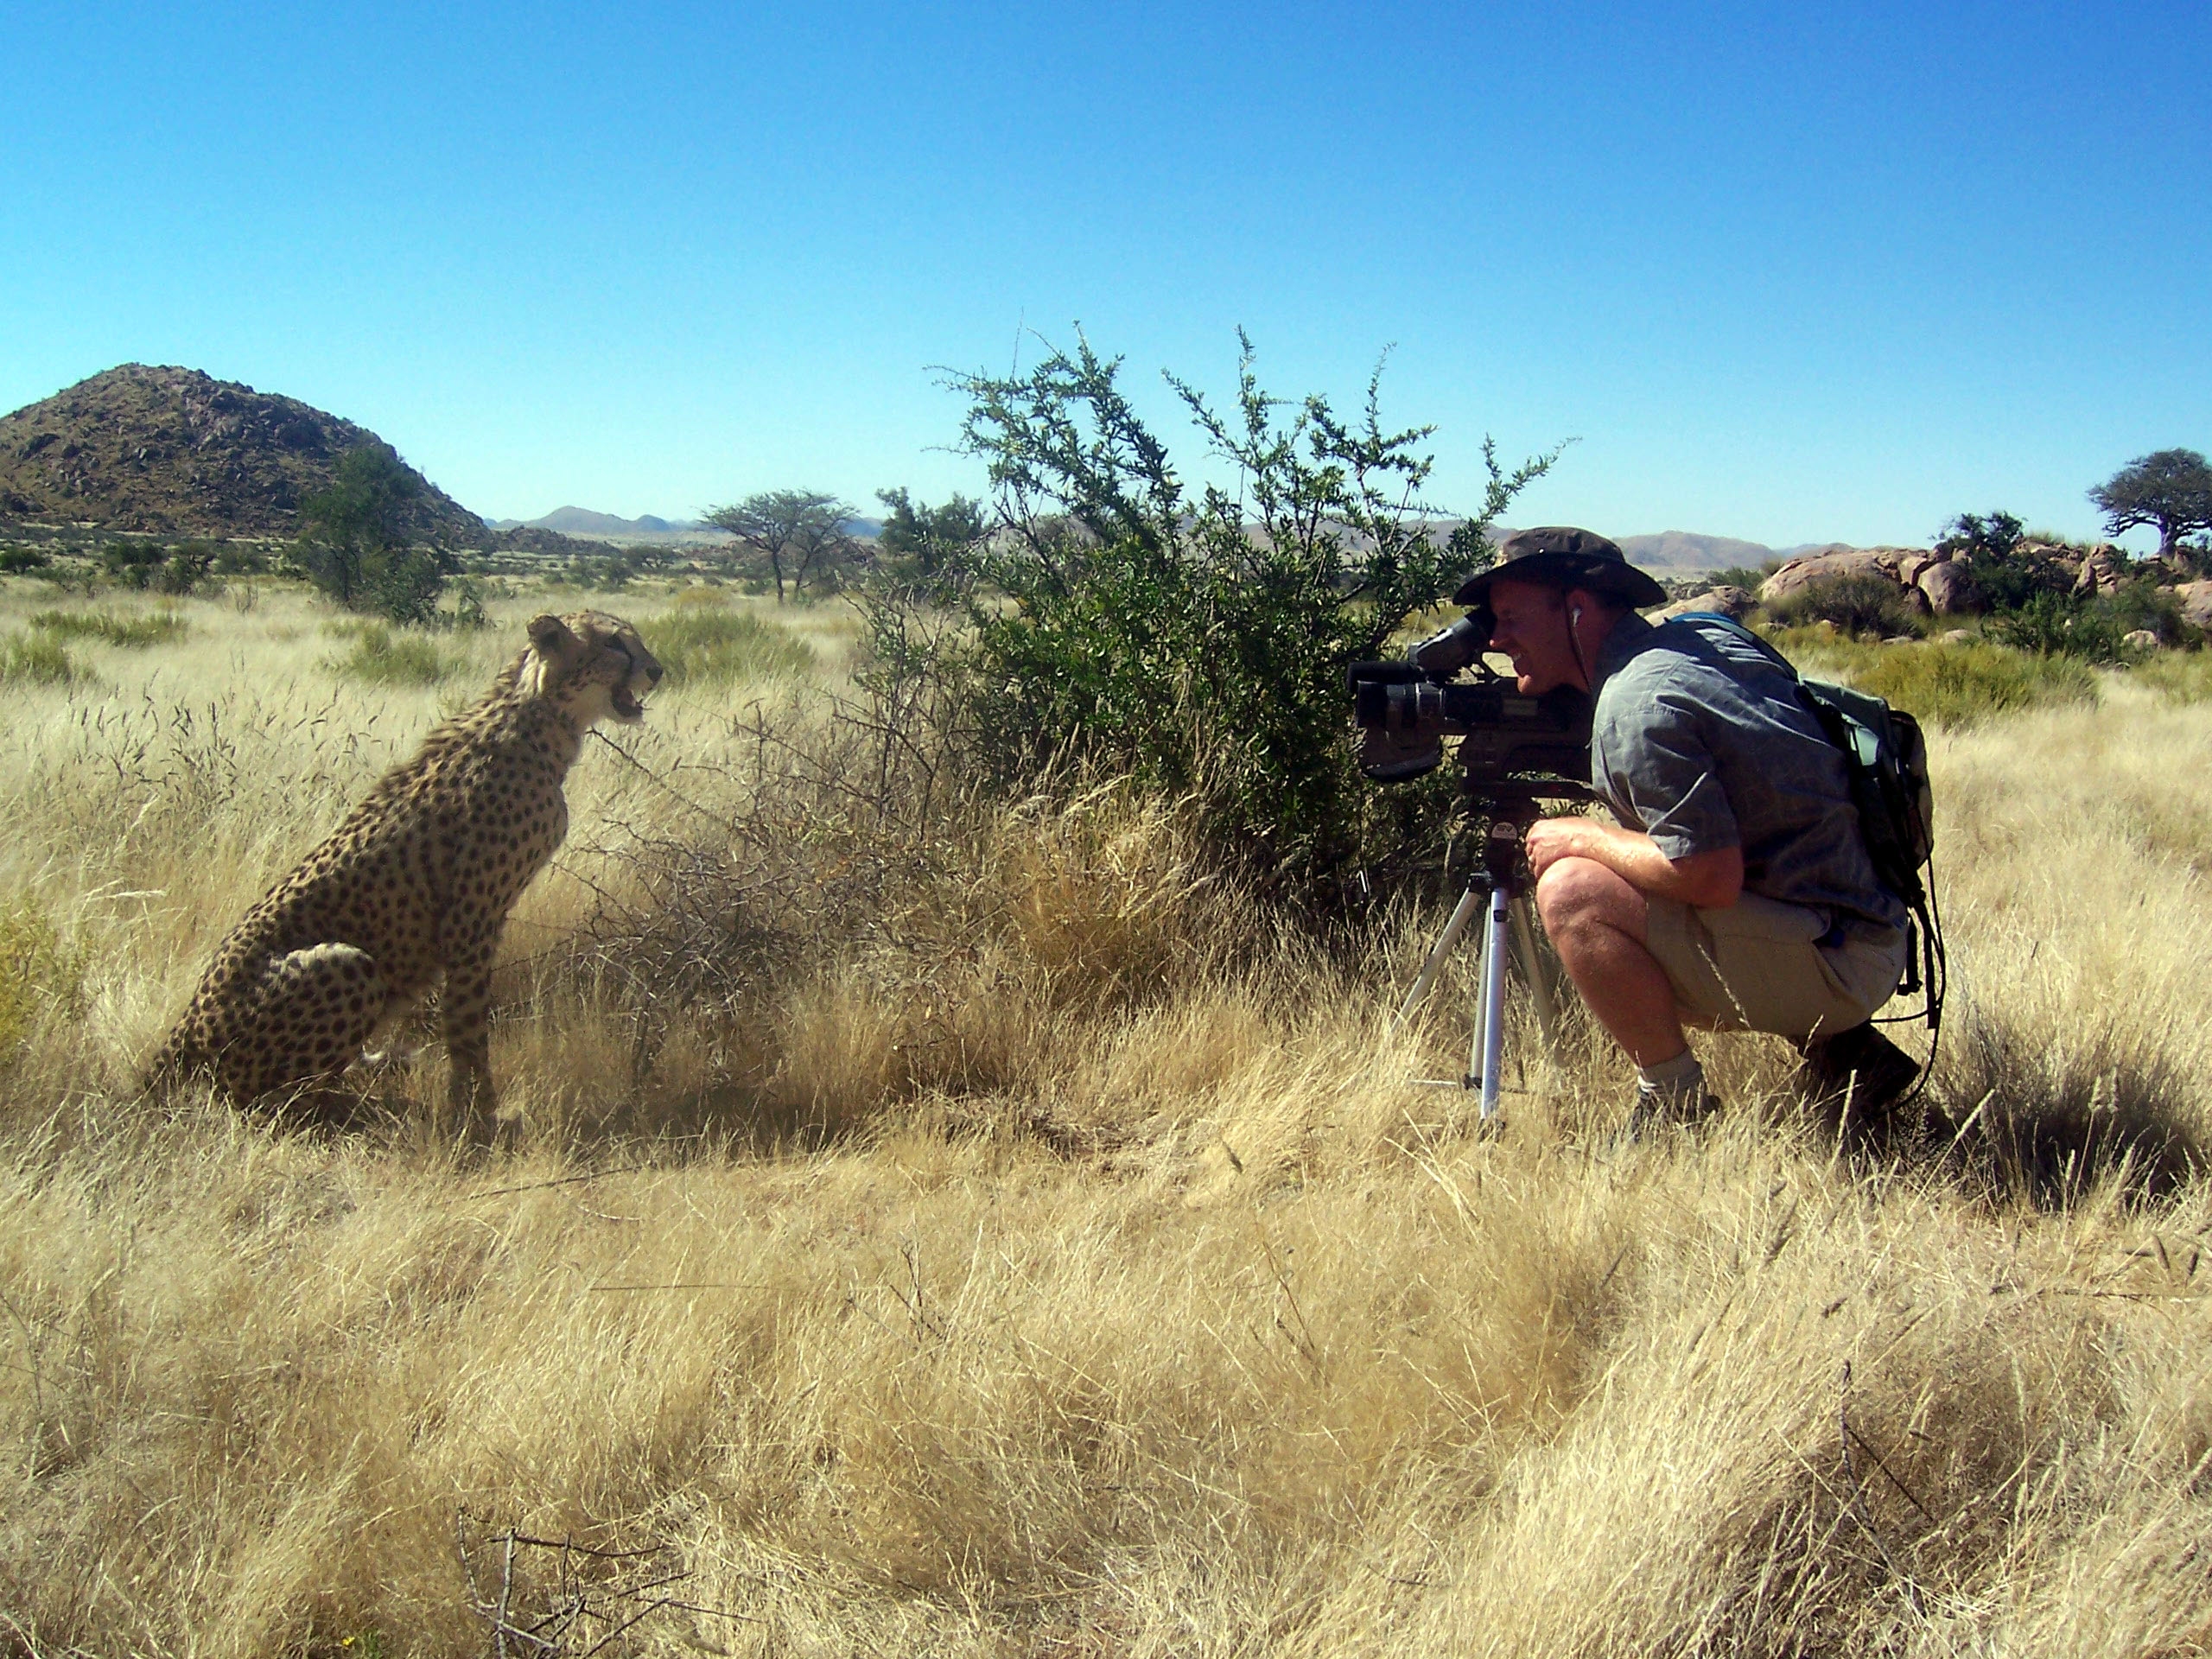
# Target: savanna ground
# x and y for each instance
(936, 1225)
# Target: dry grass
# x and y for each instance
(962, 1229)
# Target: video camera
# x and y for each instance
(1511, 746)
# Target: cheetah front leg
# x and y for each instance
(465, 1012)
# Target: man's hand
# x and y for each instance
(1710, 881)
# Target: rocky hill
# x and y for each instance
(171, 451)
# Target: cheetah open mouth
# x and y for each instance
(625, 706)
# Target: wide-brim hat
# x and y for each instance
(1559, 555)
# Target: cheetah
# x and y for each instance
(414, 885)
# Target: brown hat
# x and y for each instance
(1560, 556)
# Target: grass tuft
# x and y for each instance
(150, 628)
(38, 658)
(381, 656)
(704, 645)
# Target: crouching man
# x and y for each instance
(1734, 891)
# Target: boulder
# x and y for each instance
(1734, 603)
(2139, 640)
(1824, 567)
(1956, 636)
(2196, 598)
(2103, 568)
(1949, 590)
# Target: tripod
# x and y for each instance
(1503, 886)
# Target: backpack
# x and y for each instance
(1885, 759)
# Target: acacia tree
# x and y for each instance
(2170, 489)
(801, 534)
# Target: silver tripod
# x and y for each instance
(1500, 889)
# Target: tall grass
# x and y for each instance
(2184, 677)
(975, 1229)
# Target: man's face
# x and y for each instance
(1531, 629)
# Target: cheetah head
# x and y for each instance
(593, 664)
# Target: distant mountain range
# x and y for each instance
(582, 521)
(1683, 551)
(1676, 552)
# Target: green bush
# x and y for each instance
(1943, 683)
(384, 657)
(2142, 604)
(155, 627)
(35, 969)
(2009, 581)
(1741, 575)
(38, 658)
(2053, 625)
(18, 561)
(1856, 605)
(702, 645)
(1197, 643)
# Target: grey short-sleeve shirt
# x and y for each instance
(1700, 741)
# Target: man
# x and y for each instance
(1734, 891)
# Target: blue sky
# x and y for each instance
(1791, 274)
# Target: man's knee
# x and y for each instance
(1577, 891)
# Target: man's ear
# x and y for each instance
(550, 634)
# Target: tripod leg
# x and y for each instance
(1461, 914)
(1489, 1059)
(1538, 972)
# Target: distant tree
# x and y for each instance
(802, 535)
(2171, 489)
(131, 564)
(920, 542)
(354, 543)
(1997, 536)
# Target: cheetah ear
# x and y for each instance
(550, 634)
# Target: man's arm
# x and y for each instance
(1711, 881)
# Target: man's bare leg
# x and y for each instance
(1598, 924)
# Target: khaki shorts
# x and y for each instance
(1758, 966)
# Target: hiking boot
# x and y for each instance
(1858, 1069)
(1654, 1109)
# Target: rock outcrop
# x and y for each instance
(2196, 598)
(1734, 603)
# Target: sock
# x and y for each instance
(1678, 1081)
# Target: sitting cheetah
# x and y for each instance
(416, 883)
